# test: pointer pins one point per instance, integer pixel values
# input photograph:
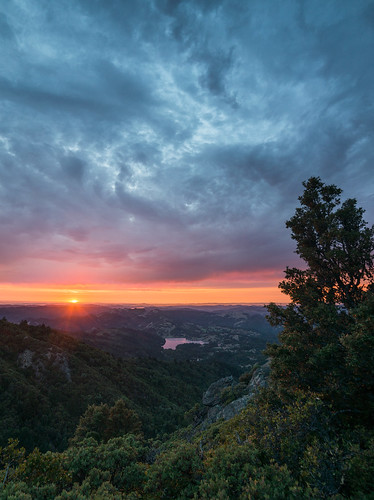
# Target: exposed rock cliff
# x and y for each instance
(212, 397)
(215, 399)
(41, 362)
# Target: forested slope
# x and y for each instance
(48, 379)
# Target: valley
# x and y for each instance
(234, 335)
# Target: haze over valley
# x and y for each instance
(234, 334)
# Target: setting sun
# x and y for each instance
(73, 301)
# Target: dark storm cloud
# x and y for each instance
(5, 30)
(168, 140)
(73, 167)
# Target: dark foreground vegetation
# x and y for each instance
(308, 434)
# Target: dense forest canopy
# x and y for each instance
(307, 435)
(49, 379)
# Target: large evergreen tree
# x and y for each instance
(327, 341)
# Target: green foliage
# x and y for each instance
(288, 433)
(119, 459)
(271, 450)
(275, 482)
(229, 394)
(103, 422)
(359, 360)
(227, 469)
(328, 325)
(40, 469)
(245, 378)
(333, 240)
(16, 491)
(48, 380)
(360, 472)
(11, 457)
(175, 473)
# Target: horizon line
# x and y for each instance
(137, 304)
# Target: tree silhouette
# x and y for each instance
(325, 343)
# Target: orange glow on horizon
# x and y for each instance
(164, 294)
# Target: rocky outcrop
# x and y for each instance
(25, 358)
(40, 362)
(233, 408)
(59, 361)
(213, 398)
(259, 378)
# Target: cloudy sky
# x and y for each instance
(152, 144)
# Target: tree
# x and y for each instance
(103, 422)
(322, 335)
(334, 241)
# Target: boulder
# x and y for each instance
(212, 400)
(259, 378)
(212, 396)
(233, 408)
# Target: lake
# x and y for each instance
(172, 342)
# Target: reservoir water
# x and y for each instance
(172, 342)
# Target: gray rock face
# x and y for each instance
(234, 407)
(39, 362)
(213, 401)
(212, 396)
(217, 412)
(259, 377)
(212, 416)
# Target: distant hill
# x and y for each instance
(165, 321)
(232, 334)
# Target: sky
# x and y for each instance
(152, 150)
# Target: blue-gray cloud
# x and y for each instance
(167, 140)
